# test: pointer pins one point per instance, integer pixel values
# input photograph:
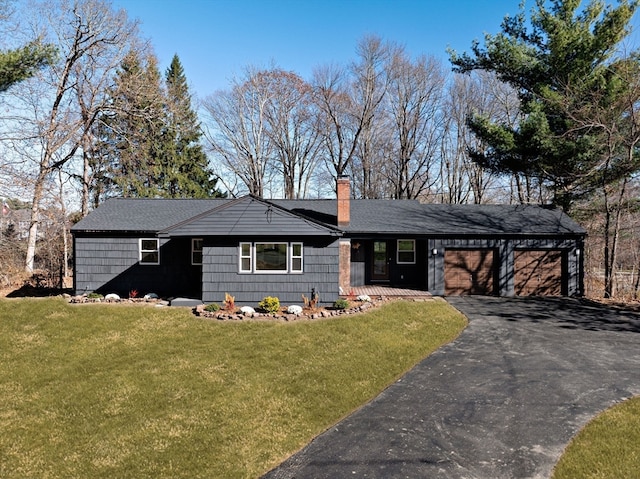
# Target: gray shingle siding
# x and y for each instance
(221, 274)
(110, 265)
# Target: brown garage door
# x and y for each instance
(469, 272)
(538, 273)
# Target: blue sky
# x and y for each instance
(217, 39)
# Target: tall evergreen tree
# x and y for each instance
(185, 171)
(151, 136)
(565, 46)
(132, 134)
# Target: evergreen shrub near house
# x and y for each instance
(341, 304)
(271, 304)
(212, 307)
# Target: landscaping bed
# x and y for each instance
(284, 314)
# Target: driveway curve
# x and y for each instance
(501, 401)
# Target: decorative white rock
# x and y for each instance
(364, 298)
(112, 296)
(247, 310)
(294, 309)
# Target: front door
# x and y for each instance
(380, 262)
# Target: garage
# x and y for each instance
(538, 272)
(469, 272)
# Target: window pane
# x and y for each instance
(246, 249)
(271, 257)
(405, 245)
(147, 245)
(297, 249)
(406, 257)
(296, 264)
(246, 264)
(149, 257)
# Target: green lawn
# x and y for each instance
(608, 447)
(105, 391)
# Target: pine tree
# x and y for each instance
(133, 135)
(150, 139)
(21, 63)
(185, 170)
(567, 47)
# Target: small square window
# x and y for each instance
(149, 252)
(406, 251)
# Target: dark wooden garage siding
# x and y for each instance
(538, 273)
(469, 272)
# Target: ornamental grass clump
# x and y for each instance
(271, 304)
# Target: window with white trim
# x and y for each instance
(274, 257)
(196, 250)
(245, 258)
(406, 251)
(296, 258)
(149, 251)
(270, 257)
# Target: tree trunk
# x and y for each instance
(38, 191)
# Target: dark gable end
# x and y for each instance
(250, 216)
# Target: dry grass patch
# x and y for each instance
(140, 392)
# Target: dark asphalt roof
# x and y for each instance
(367, 216)
(409, 217)
(143, 214)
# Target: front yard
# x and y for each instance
(125, 391)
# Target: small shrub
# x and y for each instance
(95, 296)
(341, 304)
(270, 304)
(212, 307)
(133, 293)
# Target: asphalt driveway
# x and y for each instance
(501, 401)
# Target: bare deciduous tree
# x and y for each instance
(348, 99)
(464, 181)
(415, 105)
(236, 131)
(50, 112)
(291, 126)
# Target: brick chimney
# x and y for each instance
(344, 196)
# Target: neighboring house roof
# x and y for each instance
(398, 217)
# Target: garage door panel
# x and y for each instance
(469, 272)
(538, 273)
